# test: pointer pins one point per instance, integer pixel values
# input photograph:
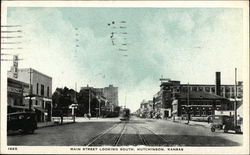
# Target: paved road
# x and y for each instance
(135, 132)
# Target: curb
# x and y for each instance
(52, 125)
(190, 124)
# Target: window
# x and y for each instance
(37, 88)
(42, 89)
(222, 89)
(207, 89)
(184, 89)
(194, 88)
(47, 91)
(240, 90)
(213, 89)
(232, 88)
(200, 88)
(36, 102)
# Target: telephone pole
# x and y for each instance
(30, 91)
(89, 101)
(188, 106)
(235, 99)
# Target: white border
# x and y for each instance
(156, 4)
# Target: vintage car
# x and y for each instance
(22, 121)
(223, 122)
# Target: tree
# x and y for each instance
(62, 99)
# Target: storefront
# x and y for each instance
(16, 90)
(43, 108)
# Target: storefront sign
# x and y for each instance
(14, 90)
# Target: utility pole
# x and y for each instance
(235, 99)
(75, 100)
(89, 100)
(125, 99)
(30, 92)
(99, 108)
(188, 106)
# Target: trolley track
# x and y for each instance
(95, 140)
(125, 133)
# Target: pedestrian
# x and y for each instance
(89, 116)
(239, 120)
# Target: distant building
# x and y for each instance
(146, 109)
(110, 93)
(41, 91)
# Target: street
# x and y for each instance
(137, 131)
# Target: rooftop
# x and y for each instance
(199, 95)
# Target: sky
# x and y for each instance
(185, 44)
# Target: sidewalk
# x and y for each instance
(194, 123)
(50, 124)
(95, 119)
(68, 120)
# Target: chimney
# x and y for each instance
(217, 84)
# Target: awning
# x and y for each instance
(40, 109)
(39, 98)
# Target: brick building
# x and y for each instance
(169, 89)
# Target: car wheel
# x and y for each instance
(32, 131)
(237, 131)
(213, 129)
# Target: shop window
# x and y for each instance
(197, 112)
(209, 112)
(203, 113)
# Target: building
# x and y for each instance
(146, 109)
(169, 89)
(198, 104)
(40, 92)
(16, 91)
(110, 93)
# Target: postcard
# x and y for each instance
(125, 77)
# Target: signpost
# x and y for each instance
(73, 107)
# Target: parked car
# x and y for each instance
(224, 122)
(22, 121)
